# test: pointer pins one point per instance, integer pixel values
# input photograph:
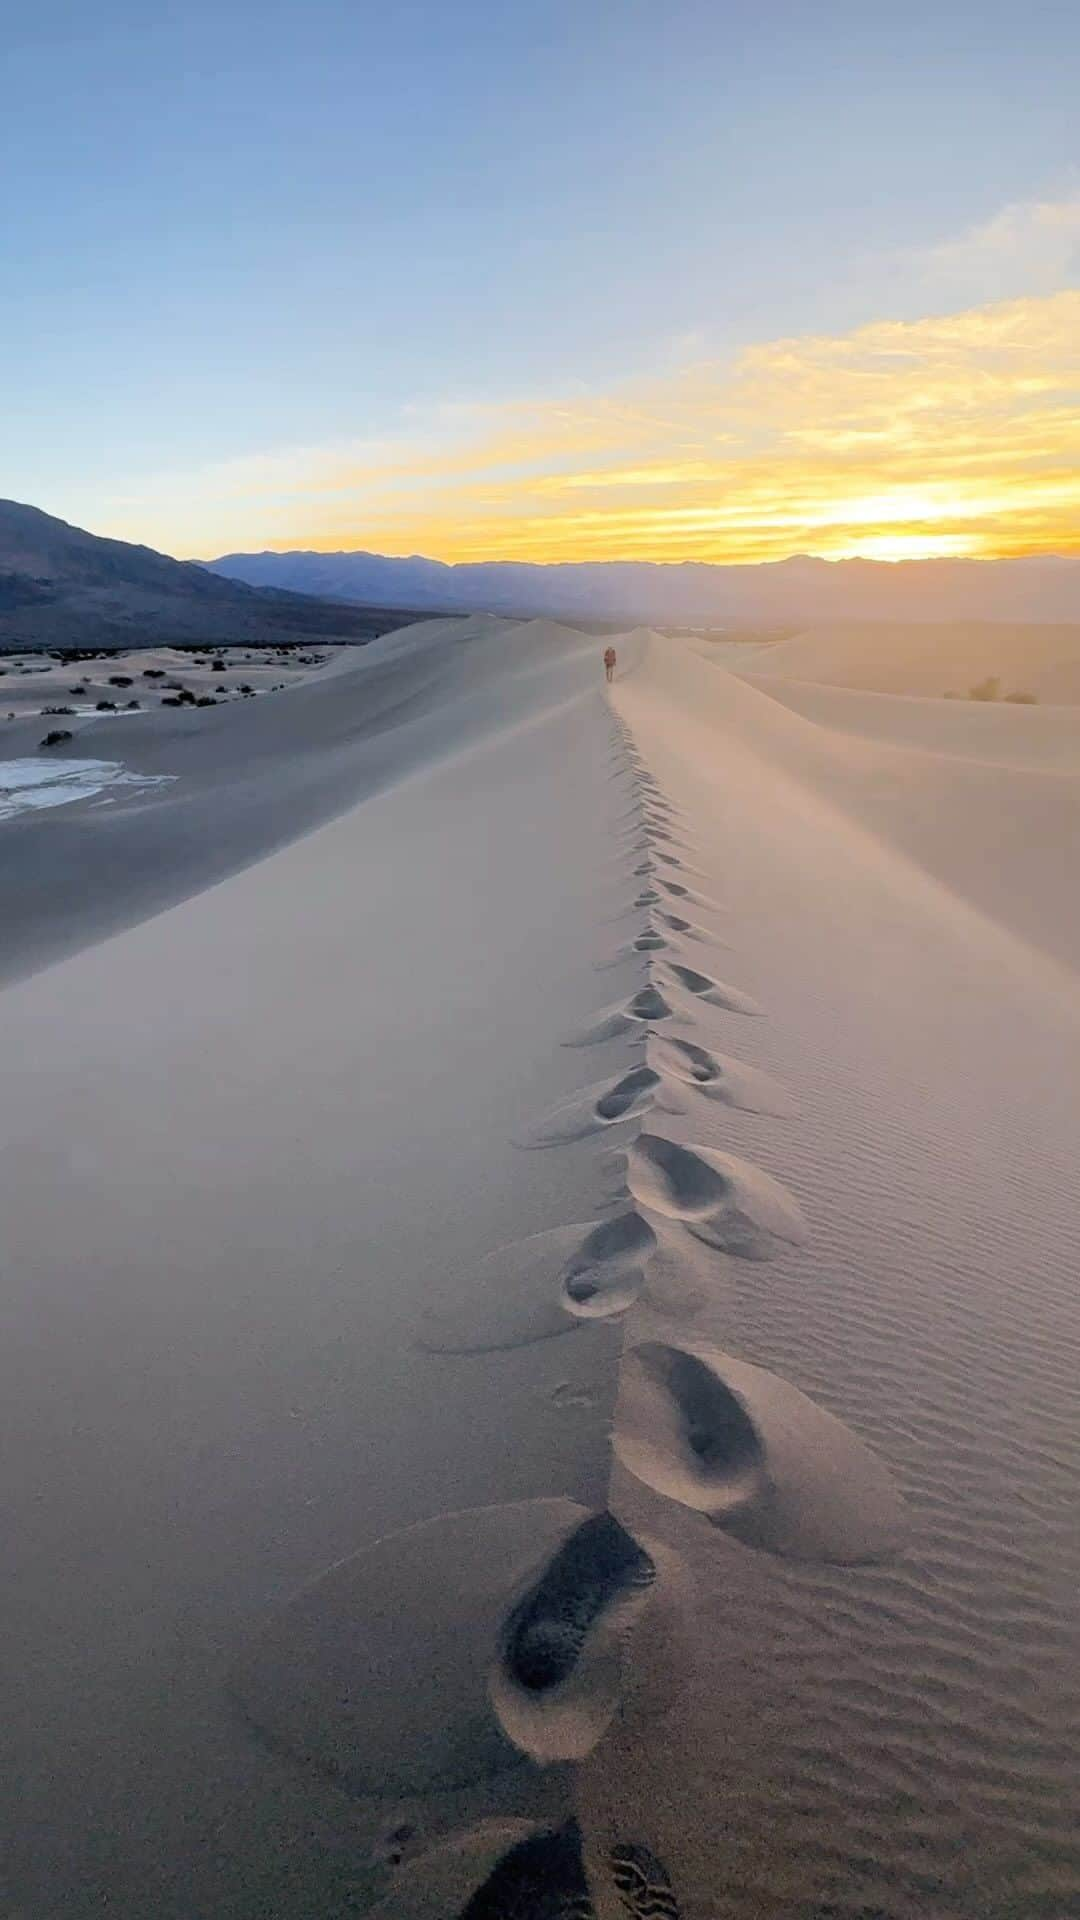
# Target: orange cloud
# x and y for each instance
(957, 434)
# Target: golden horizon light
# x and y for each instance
(953, 436)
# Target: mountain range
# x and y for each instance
(785, 593)
(61, 586)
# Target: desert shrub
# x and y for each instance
(206, 700)
(219, 666)
(988, 689)
(54, 737)
(106, 706)
(171, 700)
(1023, 699)
(132, 703)
(120, 680)
(57, 710)
(153, 673)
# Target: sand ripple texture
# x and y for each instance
(897, 1741)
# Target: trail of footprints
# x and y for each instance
(542, 1668)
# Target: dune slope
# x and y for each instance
(542, 1319)
(896, 1739)
(933, 657)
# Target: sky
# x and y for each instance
(575, 279)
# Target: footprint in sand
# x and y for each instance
(720, 1078)
(642, 1882)
(394, 1843)
(606, 1104)
(725, 1202)
(542, 1878)
(377, 1672)
(677, 863)
(607, 1273)
(678, 892)
(647, 942)
(715, 993)
(559, 1677)
(677, 923)
(646, 1006)
(541, 1287)
(754, 1454)
(565, 1395)
(497, 1870)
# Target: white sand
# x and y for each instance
(922, 657)
(255, 1149)
(895, 1740)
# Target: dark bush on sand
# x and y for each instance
(120, 680)
(106, 706)
(153, 673)
(990, 690)
(57, 710)
(56, 736)
(206, 700)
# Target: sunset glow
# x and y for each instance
(952, 436)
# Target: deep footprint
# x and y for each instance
(719, 1078)
(646, 1006)
(377, 1673)
(558, 1680)
(542, 1878)
(725, 1202)
(607, 1273)
(595, 1109)
(715, 993)
(754, 1454)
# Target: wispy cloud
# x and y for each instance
(1031, 247)
(951, 435)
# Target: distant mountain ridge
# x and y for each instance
(798, 591)
(62, 586)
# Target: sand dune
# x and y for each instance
(992, 832)
(928, 658)
(1044, 738)
(542, 1311)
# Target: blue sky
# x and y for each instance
(268, 232)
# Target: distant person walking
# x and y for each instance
(609, 663)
